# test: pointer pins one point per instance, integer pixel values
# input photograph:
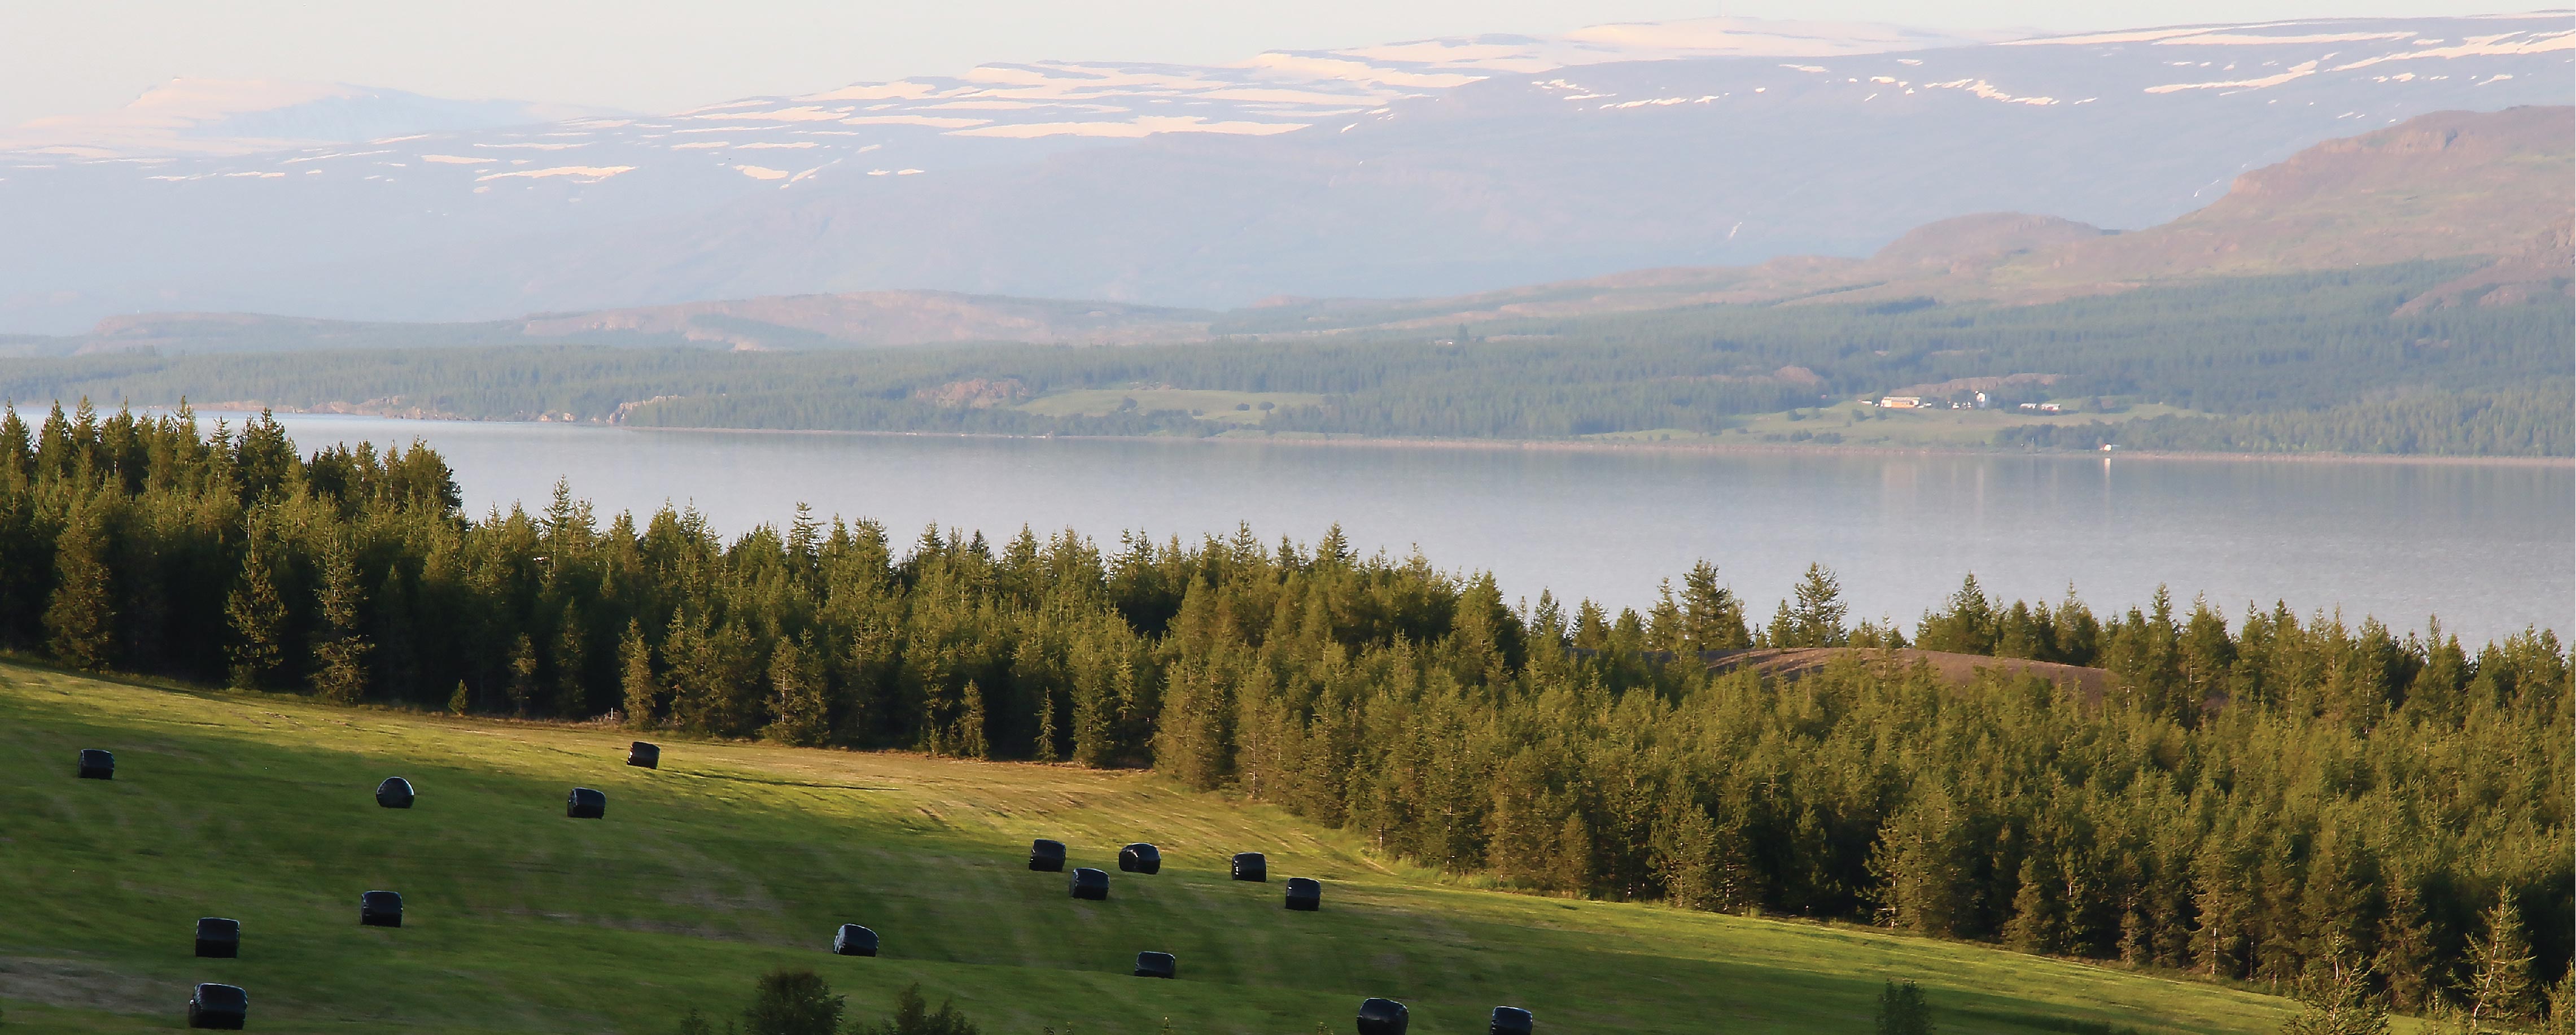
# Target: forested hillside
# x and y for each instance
(2313, 361)
(2268, 799)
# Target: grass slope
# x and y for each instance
(737, 858)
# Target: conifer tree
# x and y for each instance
(1686, 858)
(1712, 617)
(969, 740)
(340, 649)
(796, 681)
(81, 618)
(636, 684)
(1902, 1010)
(571, 659)
(2499, 987)
(257, 615)
(523, 674)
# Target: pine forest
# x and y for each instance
(2261, 797)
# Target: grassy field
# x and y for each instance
(1208, 405)
(1859, 424)
(734, 858)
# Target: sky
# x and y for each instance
(664, 55)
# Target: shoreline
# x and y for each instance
(1526, 445)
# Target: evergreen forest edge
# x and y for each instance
(2309, 362)
(2271, 802)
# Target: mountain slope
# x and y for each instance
(733, 859)
(1426, 169)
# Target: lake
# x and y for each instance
(2490, 548)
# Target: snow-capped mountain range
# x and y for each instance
(1418, 168)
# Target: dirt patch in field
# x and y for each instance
(72, 983)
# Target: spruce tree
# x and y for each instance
(793, 1002)
(636, 684)
(969, 741)
(796, 685)
(2499, 986)
(523, 674)
(80, 620)
(1712, 617)
(1902, 1010)
(257, 615)
(340, 649)
(571, 660)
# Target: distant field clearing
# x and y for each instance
(1217, 406)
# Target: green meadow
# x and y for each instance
(735, 858)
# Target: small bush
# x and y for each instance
(912, 1016)
(1902, 1010)
(793, 1002)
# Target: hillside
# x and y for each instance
(735, 858)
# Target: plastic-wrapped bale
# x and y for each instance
(394, 793)
(97, 765)
(1251, 866)
(584, 803)
(644, 756)
(226, 1007)
(218, 938)
(854, 940)
(1382, 1017)
(1512, 1020)
(1140, 858)
(1157, 964)
(1046, 856)
(1305, 894)
(1090, 883)
(380, 909)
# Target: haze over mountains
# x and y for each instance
(2497, 187)
(1424, 169)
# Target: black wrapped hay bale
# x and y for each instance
(226, 1007)
(218, 938)
(394, 793)
(1090, 884)
(1251, 866)
(1157, 964)
(584, 803)
(1512, 1020)
(1140, 858)
(1305, 894)
(854, 940)
(380, 909)
(97, 765)
(1046, 856)
(644, 756)
(1382, 1017)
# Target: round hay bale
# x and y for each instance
(218, 938)
(380, 909)
(1512, 1020)
(96, 764)
(394, 793)
(644, 756)
(1305, 894)
(1157, 965)
(1382, 1017)
(1140, 858)
(1251, 866)
(854, 940)
(1090, 884)
(584, 803)
(1046, 856)
(224, 1007)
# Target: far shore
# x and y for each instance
(1545, 445)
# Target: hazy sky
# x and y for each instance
(659, 55)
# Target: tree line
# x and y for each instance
(2293, 362)
(2267, 798)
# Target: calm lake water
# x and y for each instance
(2491, 549)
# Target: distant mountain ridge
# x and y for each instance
(1432, 169)
(2499, 186)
